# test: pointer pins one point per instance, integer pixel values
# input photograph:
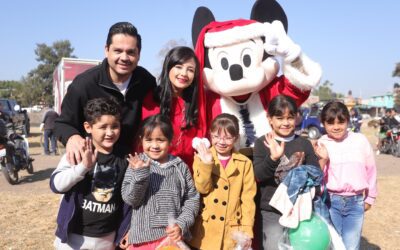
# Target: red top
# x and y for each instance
(182, 142)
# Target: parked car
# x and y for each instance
(310, 123)
(19, 118)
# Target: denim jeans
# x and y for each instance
(347, 215)
(49, 135)
(272, 231)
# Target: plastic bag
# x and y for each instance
(240, 238)
(169, 244)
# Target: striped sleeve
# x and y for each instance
(134, 186)
(190, 206)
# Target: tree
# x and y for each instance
(10, 89)
(168, 46)
(396, 96)
(396, 88)
(325, 92)
(396, 71)
(38, 87)
(32, 93)
(164, 50)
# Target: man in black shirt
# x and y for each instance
(119, 76)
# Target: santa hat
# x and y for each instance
(217, 34)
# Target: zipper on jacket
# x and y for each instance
(116, 90)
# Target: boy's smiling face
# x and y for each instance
(105, 132)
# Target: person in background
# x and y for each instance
(393, 120)
(177, 97)
(386, 123)
(49, 137)
(299, 122)
(348, 163)
(4, 119)
(355, 120)
(92, 214)
(119, 76)
(3, 115)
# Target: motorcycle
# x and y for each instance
(391, 143)
(395, 142)
(14, 153)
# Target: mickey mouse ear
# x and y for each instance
(201, 18)
(268, 11)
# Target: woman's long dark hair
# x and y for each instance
(164, 93)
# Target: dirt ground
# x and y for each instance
(28, 210)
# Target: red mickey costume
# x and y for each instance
(240, 68)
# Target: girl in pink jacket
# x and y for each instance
(348, 162)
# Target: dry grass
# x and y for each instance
(27, 221)
(382, 223)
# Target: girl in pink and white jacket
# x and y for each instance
(348, 162)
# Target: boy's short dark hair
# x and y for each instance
(98, 107)
(124, 28)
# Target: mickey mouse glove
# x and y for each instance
(277, 43)
(196, 142)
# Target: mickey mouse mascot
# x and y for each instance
(238, 59)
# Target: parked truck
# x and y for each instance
(63, 75)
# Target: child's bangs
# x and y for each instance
(331, 116)
(227, 127)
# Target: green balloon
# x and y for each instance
(312, 234)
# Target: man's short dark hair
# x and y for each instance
(124, 28)
(98, 107)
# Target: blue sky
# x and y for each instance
(355, 42)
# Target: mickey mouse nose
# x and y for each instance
(236, 72)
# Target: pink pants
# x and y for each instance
(146, 246)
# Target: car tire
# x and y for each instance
(313, 133)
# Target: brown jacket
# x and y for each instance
(227, 201)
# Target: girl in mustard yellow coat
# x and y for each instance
(225, 180)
